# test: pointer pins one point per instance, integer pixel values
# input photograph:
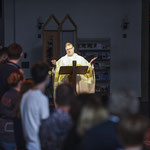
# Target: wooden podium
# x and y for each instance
(73, 70)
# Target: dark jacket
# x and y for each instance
(103, 136)
(54, 130)
(5, 70)
(7, 106)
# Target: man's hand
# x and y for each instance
(54, 62)
(93, 60)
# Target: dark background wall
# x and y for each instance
(95, 19)
(1, 23)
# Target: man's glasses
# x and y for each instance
(69, 48)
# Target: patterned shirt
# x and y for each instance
(54, 130)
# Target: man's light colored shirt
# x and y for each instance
(34, 108)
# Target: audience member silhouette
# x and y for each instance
(14, 55)
(92, 113)
(104, 135)
(83, 120)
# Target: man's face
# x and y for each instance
(69, 50)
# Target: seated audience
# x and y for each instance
(18, 131)
(7, 106)
(132, 130)
(54, 130)
(35, 106)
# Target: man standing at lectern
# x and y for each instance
(84, 82)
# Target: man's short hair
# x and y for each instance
(14, 51)
(64, 95)
(68, 44)
(39, 72)
(4, 50)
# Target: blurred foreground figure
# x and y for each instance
(132, 131)
(104, 135)
(54, 130)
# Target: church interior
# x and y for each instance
(116, 32)
(119, 27)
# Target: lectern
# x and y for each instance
(73, 70)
